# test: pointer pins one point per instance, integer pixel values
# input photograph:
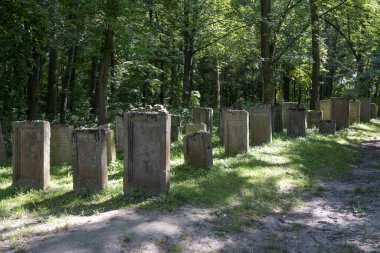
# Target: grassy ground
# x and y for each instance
(239, 188)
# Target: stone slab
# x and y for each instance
(61, 145)
(277, 122)
(175, 131)
(203, 115)
(340, 112)
(325, 107)
(285, 106)
(365, 109)
(327, 126)
(119, 133)
(197, 149)
(296, 122)
(3, 153)
(221, 122)
(313, 118)
(354, 111)
(193, 128)
(236, 132)
(260, 118)
(374, 110)
(111, 146)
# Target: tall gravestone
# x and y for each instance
(197, 149)
(203, 115)
(89, 160)
(313, 118)
(340, 112)
(193, 128)
(119, 133)
(175, 131)
(277, 123)
(260, 119)
(3, 153)
(285, 106)
(374, 110)
(111, 147)
(354, 111)
(60, 145)
(236, 132)
(31, 154)
(365, 109)
(147, 152)
(325, 107)
(327, 126)
(296, 118)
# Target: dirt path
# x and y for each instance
(343, 217)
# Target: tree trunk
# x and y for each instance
(33, 87)
(316, 68)
(267, 67)
(73, 77)
(286, 86)
(51, 109)
(93, 86)
(66, 84)
(216, 87)
(332, 44)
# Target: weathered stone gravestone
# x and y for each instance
(111, 147)
(203, 115)
(147, 152)
(175, 131)
(236, 132)
(260, 119)
(119, 133)
(277, 123)
(365, 109)
(374, 110)
(340, 112)
(296, 122)
(3, 153)
(60, 145)
(31, 154)
(197, 149)
(327, 126)
(354, 111)
(285, 106)
(325, 107)
(313, 118)
(89, 160)
(193, 128)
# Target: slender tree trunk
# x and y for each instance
(332, 44)
(216, 86)
(286, 86)
(188, 52)
(34, 86)
(93, 86)
(66, 84)
(173, 84)
(51, 109)
(267, 66)
(316, 68)
(364, 88)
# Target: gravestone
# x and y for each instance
(203, 115)
(110, 144)
(325, 107)
(340, 112)
(313, 118)
(365, 109)
(3, 153)
(89, 160)
(193, 128)
(285, 106)
(31, 154)
(119, 133)
(374, 110)
(175, 131)
(296, 118)
(147, 152)
(327, 126)
(197, 149)
(354, 111)
(60, 145)
(277, 123)
(260, 119)
(236, 133)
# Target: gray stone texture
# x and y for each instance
(31, 154)
(260, 119)
(3, 153)
(111, 147)
(327, 126)
(175, 131)
(340, 112)
(197, 149)
(61, 145)
(236, 132)
(365, 109)
(147, 152)
(313, 118)
(296, 122)
(193, 128)
(354, 111)
(203, 115)
(285, 106)
(277, 123)
(374, 110)
(325, 107)
(90, 173)
(119, 133)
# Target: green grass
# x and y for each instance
(239, 188)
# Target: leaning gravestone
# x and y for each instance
(119, 133)
(354, 111)
(89, 160)
(60, 145)
(325, 107)
(285, 106)
(3, 153)
(340, 112)
(277, 121)
(147, 152)
(374, 110)
(175, 131)
(193, 128)
(31, 154)
(203, 115)
(111, 147)
(313, 118)
(260, 119)
(296, 122)
(197, 149)
(327, 126)
(365, 109)
(236, 136)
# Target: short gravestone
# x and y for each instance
(327, 126)
(313, 118)
(147, 152)
(236, 132)
(277, 122)
(260, 119)
(60, 145)
(203, 115)
(119, 133)
(340, 112)
(365, 109)
(197, 149)
(325, 107)
(354, 111)
(111, 147)
(31, 154)
(175, 131)
(3, 153)
(193, 128)
(296, 122)
(285, 106)
(89, 160)
(374, 110)
(221, 123)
